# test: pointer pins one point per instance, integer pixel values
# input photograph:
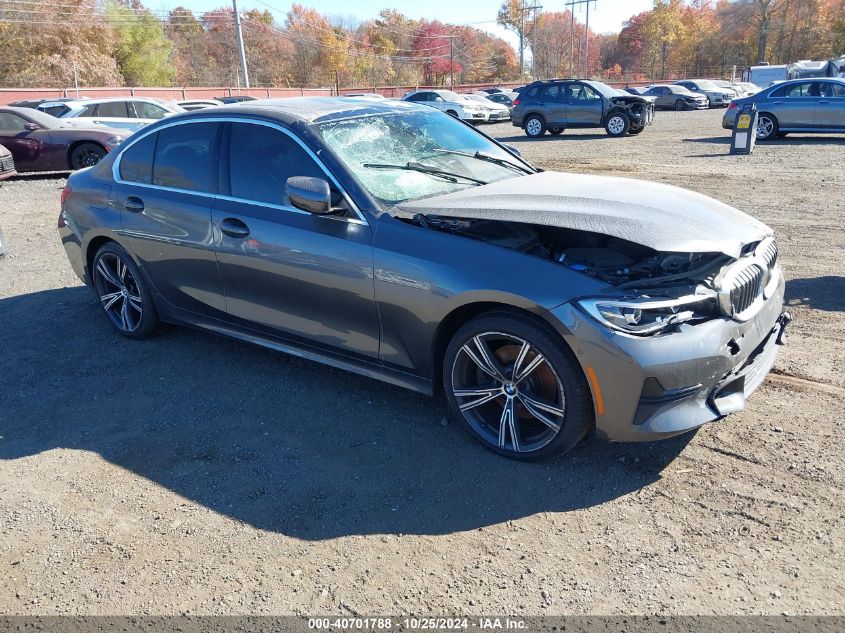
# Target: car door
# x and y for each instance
(165, 185)
(26, 145)
(553, 105)
(830, 108)
(660, 94)
(794, 106)
(299, 275)
(584, 106)
(113, 114)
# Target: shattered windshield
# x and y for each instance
(404, 155)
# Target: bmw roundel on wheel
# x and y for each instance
(396, 241)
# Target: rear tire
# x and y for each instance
(617, 124)
(540, 407)
(534, 126)
(123, 292)
(86, 155)
(767, 126)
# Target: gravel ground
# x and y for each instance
(194, 474)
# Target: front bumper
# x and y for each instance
(647, 388)
(499, 116)
(7, 167)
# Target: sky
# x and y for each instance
(605, 15)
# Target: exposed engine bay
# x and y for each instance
(637, 108)
(613, 260)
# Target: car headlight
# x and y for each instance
(642, 316)
(114, 141)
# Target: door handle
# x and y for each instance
(821, 101)
(134, 204)
(234, 227)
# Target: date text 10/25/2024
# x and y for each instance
(416, 623)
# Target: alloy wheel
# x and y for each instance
(765, 127)
(508, 392)
(118, 291)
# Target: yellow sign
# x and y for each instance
(744, 122)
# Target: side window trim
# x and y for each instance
(224, 164)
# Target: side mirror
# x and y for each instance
(309, 194)
(512, 149)
(32, 127)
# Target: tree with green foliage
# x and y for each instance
(142, 50)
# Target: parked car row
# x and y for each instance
(40, 142)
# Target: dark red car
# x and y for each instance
(40, 142)
(7, 164)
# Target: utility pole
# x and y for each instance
(587, 44)
(572, 4)
(521, 39)
(240, 42)
(451, 62)
(535, 7)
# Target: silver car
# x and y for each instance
(718, 97)
(799, 105)
(676, 98)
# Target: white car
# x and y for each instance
(198, 104)
(451, 103)
(128, 113)
(495, 111)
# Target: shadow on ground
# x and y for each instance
(823, 293)
(791, 139)
(279, 443)
(548, 138)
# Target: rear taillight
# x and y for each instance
(62, 216)
(516, 101)
(732, 106)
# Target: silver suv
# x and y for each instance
(557, 104)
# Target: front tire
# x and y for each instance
(680, 105)
(635, 131)
(86, 155)
(617, 124)
(534, 126)
(517, 387)
(767, 126)
(123, 293)
(557, 131)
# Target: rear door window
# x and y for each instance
(554, 92)
(262, 160)
(112, 109)
(185, 157)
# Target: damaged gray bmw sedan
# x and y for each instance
(392, 240)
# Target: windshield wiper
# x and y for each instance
(487, 158)
(426, 169)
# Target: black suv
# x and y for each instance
(557, 104)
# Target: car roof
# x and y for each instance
(96, 100)
(308, 109)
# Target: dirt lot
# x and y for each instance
(193, 474)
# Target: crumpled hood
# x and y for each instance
(662, 217)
